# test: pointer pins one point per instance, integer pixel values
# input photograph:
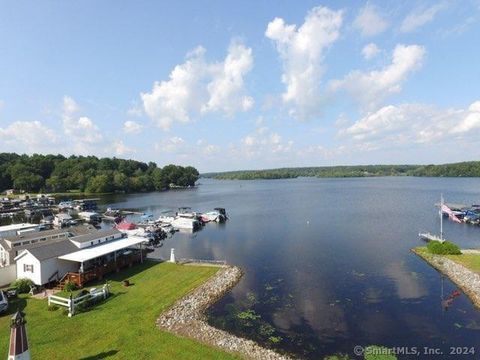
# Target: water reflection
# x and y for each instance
(340, 248)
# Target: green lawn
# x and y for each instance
(470, 261)
(123, 327)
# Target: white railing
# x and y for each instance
(71, 303)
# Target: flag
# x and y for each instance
(451, 215)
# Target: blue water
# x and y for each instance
(329, 260)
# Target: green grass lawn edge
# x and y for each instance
(123, 327)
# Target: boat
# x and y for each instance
(186, 212)
(166, 217)
(183, 223)
(213, 216)
(90, 216)
(112, 214)
(427, 236)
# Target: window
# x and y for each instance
(16, 244)
(99, 241)
(34, 241)
(27, 268)
(91, 242)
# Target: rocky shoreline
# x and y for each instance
(464, 278)
(187, 318)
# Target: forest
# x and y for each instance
(462, 169)
(89, 174)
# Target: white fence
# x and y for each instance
(71, 303)
(8, 274)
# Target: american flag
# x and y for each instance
(451, 215)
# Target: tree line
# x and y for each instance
(463, 169)
(57, 173)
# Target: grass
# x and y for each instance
(470, 261)
(123, 327)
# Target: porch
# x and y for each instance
(94, 263)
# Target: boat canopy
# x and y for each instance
(124, 225)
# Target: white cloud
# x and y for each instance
(371, 88)
(225, 91)
(420, 17)
(120, 149)
(263, 142)
(197, 87)
(82, 130)
(408, 124)
(28, 136)
(302, 52)
(370, 50)
(471, 121)
(369, 21)
(173, 144)
(132, 127)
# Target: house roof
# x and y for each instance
(35, 234)
(50, 250)
(95, 235)
(103, 249)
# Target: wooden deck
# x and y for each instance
(98, 272)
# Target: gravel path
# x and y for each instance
(187, 318)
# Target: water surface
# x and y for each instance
(327, 261)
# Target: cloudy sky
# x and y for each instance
(226, 85)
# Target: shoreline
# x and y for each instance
(467, 280)
(187, 318)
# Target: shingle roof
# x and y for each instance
(95, 235)
(51, 250)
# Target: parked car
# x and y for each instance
(3, 302)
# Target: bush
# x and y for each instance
(374, 352)
(445, 248)
(22, 285)
(70, 286)
(53, 307)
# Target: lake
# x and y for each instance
(327, 261)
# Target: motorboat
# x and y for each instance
(213, 216)
(186, 212)
(185, 223)
(166, 217)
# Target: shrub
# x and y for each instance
(53, 307)
(70, 286)
(374, 352)
(22, 285)
(445, 248)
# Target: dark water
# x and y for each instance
(327, 261)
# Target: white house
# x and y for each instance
(79, 258)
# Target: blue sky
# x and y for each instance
(242, 85)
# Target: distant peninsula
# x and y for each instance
(89, 174)
(461, 169)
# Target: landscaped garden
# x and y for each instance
(123, 326)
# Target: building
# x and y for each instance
(28, 236)
(80, 258)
